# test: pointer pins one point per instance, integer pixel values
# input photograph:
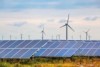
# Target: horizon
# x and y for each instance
(28, 17)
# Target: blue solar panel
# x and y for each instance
(0, 40)
(63, 44)
(46, 48)
(90, 53)
(29, 53)
(84, 51)
(97, 53)
(3, 53)
(90, 45)
(19, 53)
(32, 44)
(97, 45)
(70, 44)
(1, 50)
(40, 44)
(54, 52)
(25, 43)
(55, 44)
(11, 53)
(3, 42)
(48, 44)
(61, 53)
(16, 43)
(8, 44)
(78, 44)
(46, 52)
(89, 49)
(69, 52)
(78, 52)
(38, 53)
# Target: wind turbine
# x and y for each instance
(80, 37)
(43, 33)
(21, 36)
(86, 32)
(2, 37)
(29, 37)
(72, 37)
(67, 26)
(89, 37)
(10, 37)
(58, 37)
(52, 37)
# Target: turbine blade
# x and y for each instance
(88, 30)
(44, 33)
(71, 28)
(68, 19)
(63, 26)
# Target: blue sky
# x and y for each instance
(48, 4)
(25, 16)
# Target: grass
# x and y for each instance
(54, 62)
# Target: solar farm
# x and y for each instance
(25, 49)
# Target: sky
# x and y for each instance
(28, 17)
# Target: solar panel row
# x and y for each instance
(19, 48)
(91, 48)
(46, 48)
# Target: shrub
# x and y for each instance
(4, 64)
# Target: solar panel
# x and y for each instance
(55, 44)
(97, 52)
(1, 50)
(46, 48)
(4, 52)
(54, 52)
(61, 53)
(19, 53)
(32, 44)
(70, 44)
(88, 49)
(54, 49)
(63, 44)
(8, 44)
(38, 53)
(28, 53)
(16, 44)
(48, 44)
(46, 52)
(11, 53)
(3, 42)
(25, 43)
(90, 53)
(69, 52)
(40, 44)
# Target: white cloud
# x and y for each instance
(18, 24)
(37, 16)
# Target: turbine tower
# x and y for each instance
(89, 37)
(21, 36)
(29, 37)
(52, 37)
(43, 33)
(80, 37)
(87, 34)
(67, 26)
(2, 37)
(10, 37)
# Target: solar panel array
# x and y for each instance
(48, 48)
(89, 48)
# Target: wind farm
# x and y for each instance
(49, 33)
